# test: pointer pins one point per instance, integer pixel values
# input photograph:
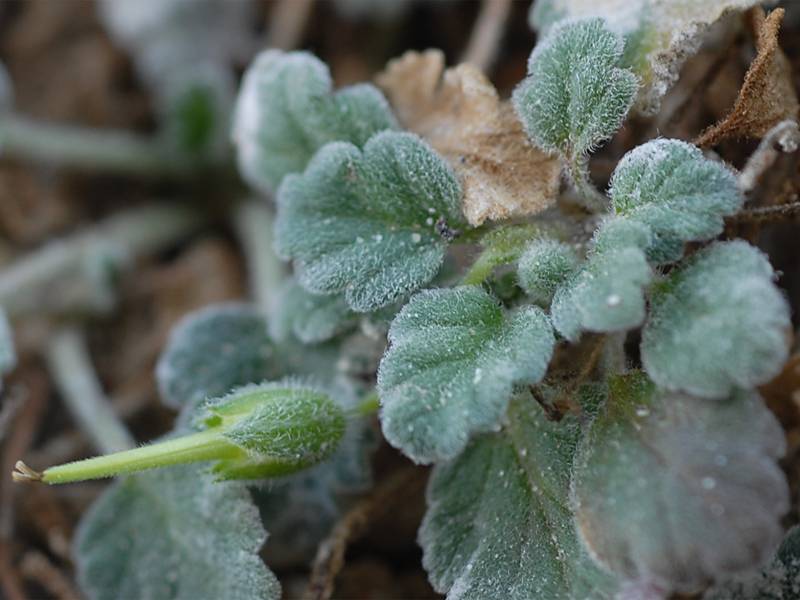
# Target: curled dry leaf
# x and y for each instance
(459, 112)
(767, 95)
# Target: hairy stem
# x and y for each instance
(588, 195)
(71, 367)
(196, 447)
(77, 147)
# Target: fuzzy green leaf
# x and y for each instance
(501, 246)
(311, 318)
(672, 491)
(372, 224)
(670, 187)
(498, 523)
(717, 324)
(780, 580)
(545, 265)
(575, 95)
(173, 535)
(212, 351)
(607, 293)
(451, 366)
(286, 111)
(280, 427)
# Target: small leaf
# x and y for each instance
(498, 523)
(669, 186)
(575, 95)
(281, 428)
(311, 318)
(780, 580)
(454, 358)
(501, 246)
(374, 225)
(286, 111)
(173, 535)
(659, 36)
(717, 324)
(767, 96)
(460, 113)
(670, 491)
(213, 350)
(607, 293)
(544, 266)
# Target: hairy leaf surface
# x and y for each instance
(780, 580)
(311, 318)
(373, 224)
(575, 95)
(545, 265)
(212, 351)
(717, 324)
(286, 111)
(454, 357)
(673, 491)
(173, 534)
(679, 194)
(498, 523)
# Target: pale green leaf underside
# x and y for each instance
(575, 96)
(365, 224)
(212, 351)
(173, 534)
(780, 580)
(717, 324)
(311, 318)
(669, 186)
(673, 491)
(498, 523)
(286, 111)
(453, 359)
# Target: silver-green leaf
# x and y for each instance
(374, 224)
(576, 95)
(311, 318)
(717, 324)
(544, 266)
(453, 360)
(498, 523)
(286, 111)
(669, 186)
(174, 534)
(672, 492)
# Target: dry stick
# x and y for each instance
(766, 214)
(288, 22)
(330, 554)
(76, 274)
(37, 567)
(487, 32)
(71, 368)
(782, 138)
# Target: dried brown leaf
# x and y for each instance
(459, 112)
(767, 95)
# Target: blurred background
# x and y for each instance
(154, 81)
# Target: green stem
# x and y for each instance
(86, 148)
(481, 269)
(589, 196)
(369, 405)
(197, 447)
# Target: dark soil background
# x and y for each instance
(66, 69)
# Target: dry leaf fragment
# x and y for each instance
(767, 95)
(459, 112)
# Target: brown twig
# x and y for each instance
(782, 138)
(767, 214)
(487, 32)
(330, 555)
(564, 402)
(287, 22)
(36, 567)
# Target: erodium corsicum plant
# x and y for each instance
(585, 389)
